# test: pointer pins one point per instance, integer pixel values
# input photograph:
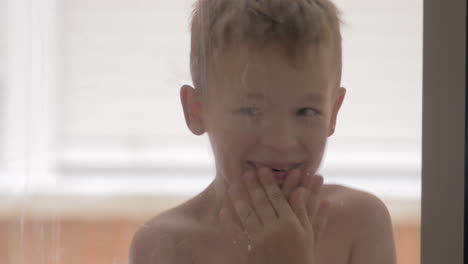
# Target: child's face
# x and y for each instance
(263, 110)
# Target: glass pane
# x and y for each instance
(128, 122)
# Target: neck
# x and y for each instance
(211, 200)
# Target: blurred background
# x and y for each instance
(93, 140)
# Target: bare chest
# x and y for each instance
(335, 246)
(333, 249)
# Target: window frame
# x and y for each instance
(444, 138)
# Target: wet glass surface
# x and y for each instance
(236, 132)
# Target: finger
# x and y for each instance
(316, 184)
(259, 198)
(306, 180)
(227, 205)
(226, 219)
(229, 225)
(321, 219)
(299, 204)
(274, 194)
(291, 182)
(243, 209)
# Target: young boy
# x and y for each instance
(267, 92)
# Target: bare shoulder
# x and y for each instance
(367, 222)
(163, 239)
(350, 200)
(355, 207)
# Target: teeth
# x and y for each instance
(278, 169)
(273, 169)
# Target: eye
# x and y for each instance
(307, 112)
(250, 111)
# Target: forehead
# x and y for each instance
(270, 71)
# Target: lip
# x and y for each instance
(276, 165)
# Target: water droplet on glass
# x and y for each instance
(56, 240)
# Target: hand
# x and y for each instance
(316, 210)
(271, 230)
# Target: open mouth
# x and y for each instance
(289, 168)
(280, 174)
(275, 169)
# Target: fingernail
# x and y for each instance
(249, 175)
(318, 179)
(295, 171)
(263, 169)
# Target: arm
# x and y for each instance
(373, 242)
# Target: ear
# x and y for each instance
(191, 104)
(340, 95)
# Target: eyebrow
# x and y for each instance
(257, 96)
(308, 98)
(314, 98)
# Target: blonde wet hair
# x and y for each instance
(218, 25)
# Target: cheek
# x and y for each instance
(318, 141)
(315, 140)
(318, 148)
(313, 132)
(230, 148)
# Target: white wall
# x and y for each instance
(125, 64)
(119, 66)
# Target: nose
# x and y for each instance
(280, 136)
